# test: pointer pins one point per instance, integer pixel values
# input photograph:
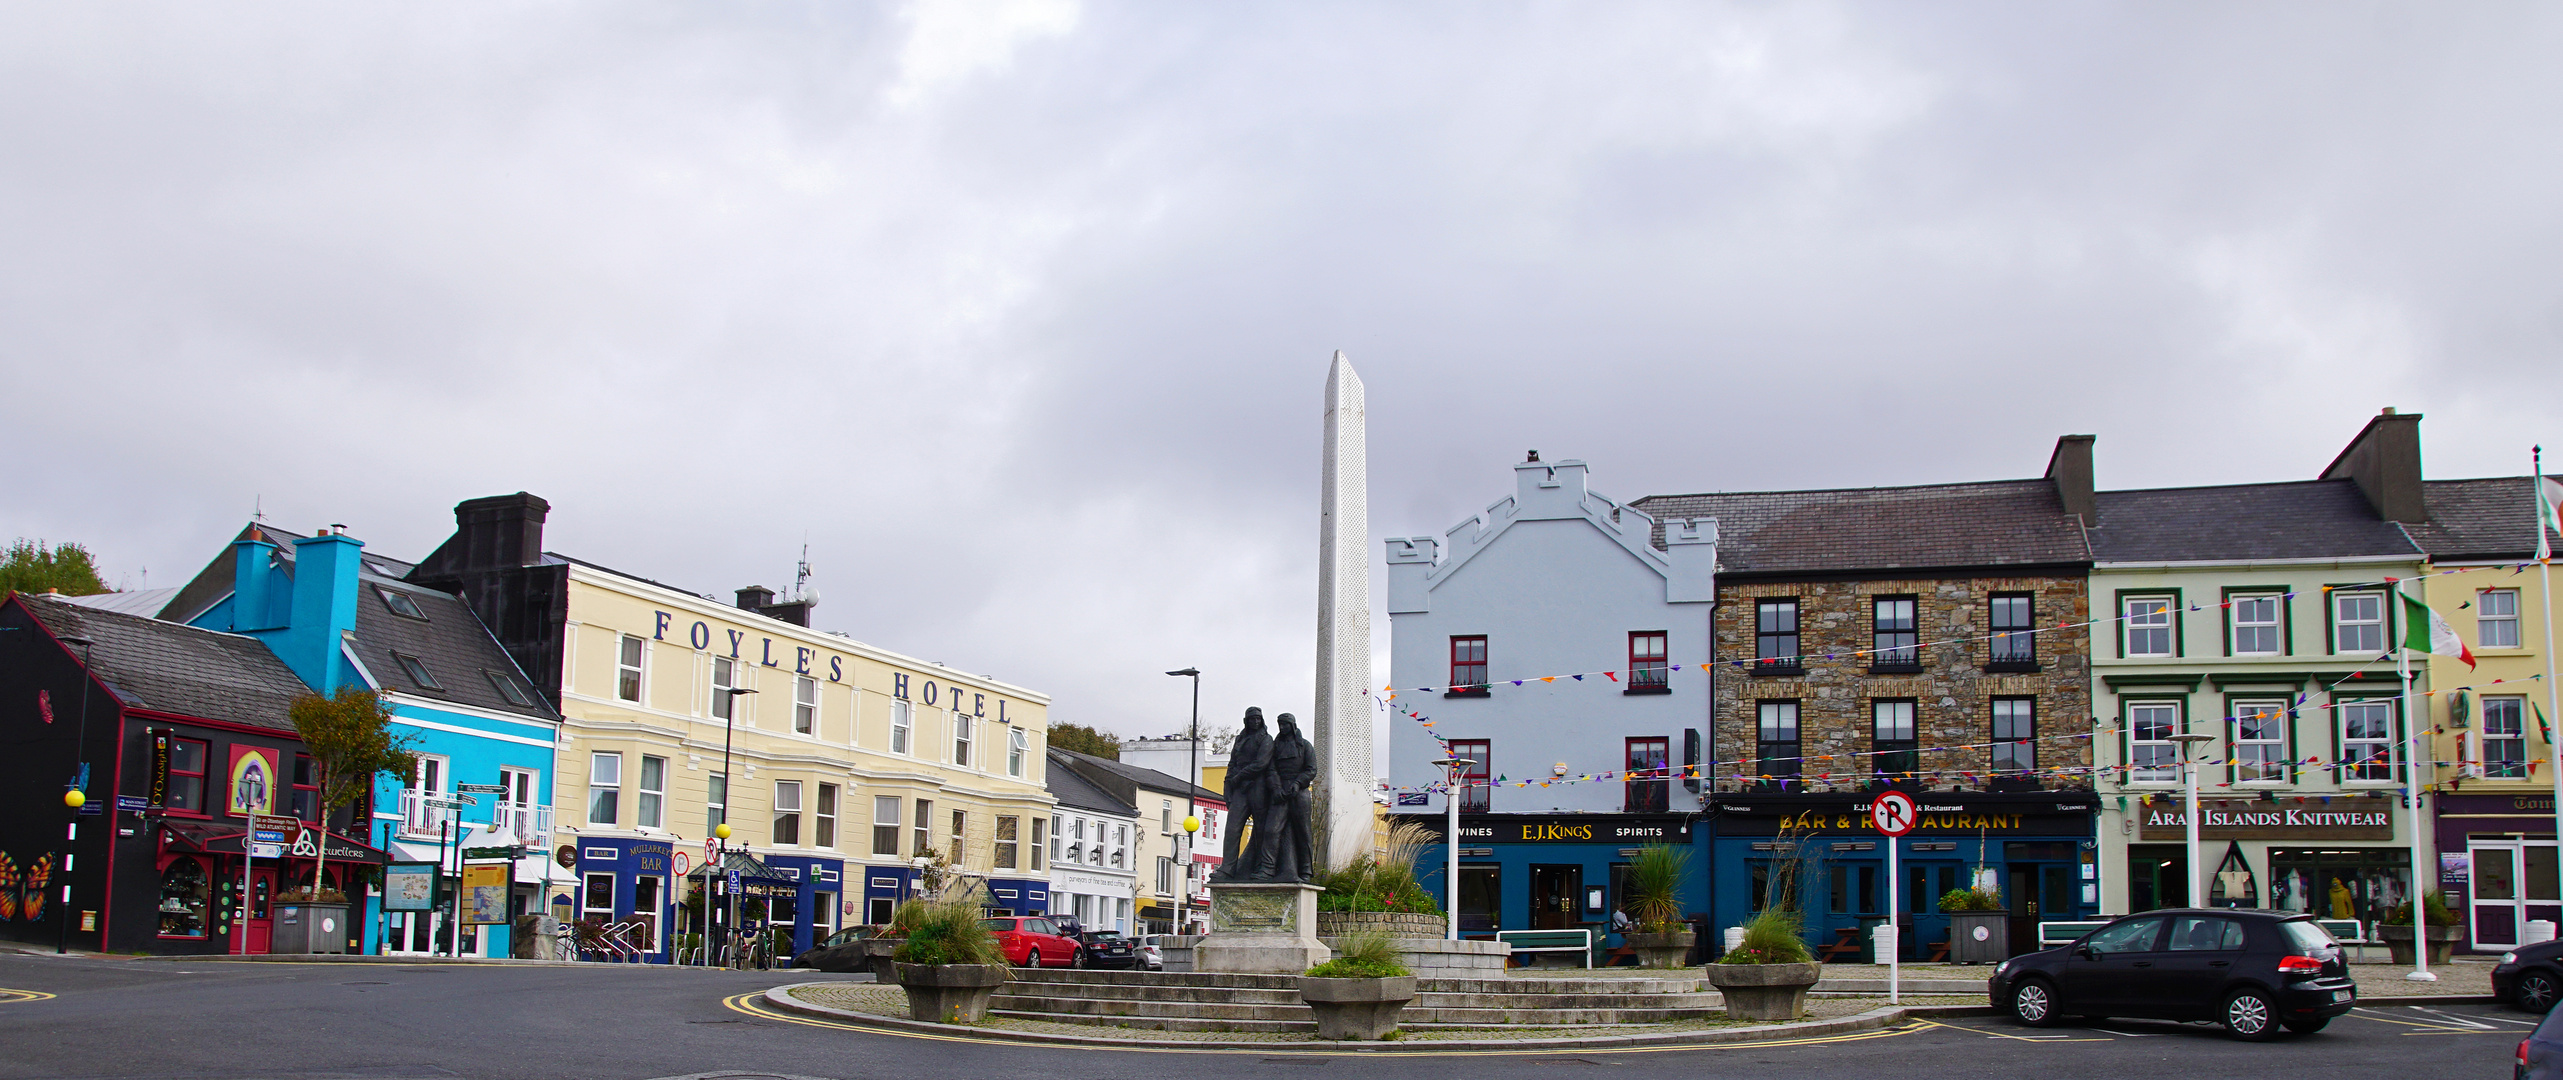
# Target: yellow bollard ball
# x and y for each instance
(74, 799)
(722, 830)
(1191, 823)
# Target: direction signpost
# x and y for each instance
(483, 789)
(1895, 815)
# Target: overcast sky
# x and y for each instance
(1019, 313)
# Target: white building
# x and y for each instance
(1093, 852)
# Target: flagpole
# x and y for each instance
(2545, 591)
(2421, 870)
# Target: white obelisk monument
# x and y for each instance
(1341, 728)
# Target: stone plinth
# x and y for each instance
(1439, 958)
(1261, 928)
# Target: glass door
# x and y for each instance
(1556, 895)
(2495, 897)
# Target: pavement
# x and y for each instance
(88, 1016)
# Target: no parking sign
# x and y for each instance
(1895, 815)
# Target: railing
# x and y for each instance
(526, 823)
(418, 817)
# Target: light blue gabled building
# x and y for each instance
(338, 615)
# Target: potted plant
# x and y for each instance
(1358, 994)
(1979, 926)
(1379, 892)
(950, 965)
(1652, 899)
(2443, 931)
(1767, 976)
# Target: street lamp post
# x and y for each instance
(1452, 769)
(1192, 810)
(721, 833)
(75, 796)
(2189, 773)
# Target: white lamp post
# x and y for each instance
(1452, 769)
(2189, 773)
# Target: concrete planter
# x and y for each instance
(876, 955)
(1979, 937)
(950, 993)
(1764, 991)
(2398, 941)
(1402, 924)
(1357, 1009)
(1661, 950)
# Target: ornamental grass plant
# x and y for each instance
(1653, 887)
(1776, 934)
(943, 932)
(1382, 881)
(1363, 954)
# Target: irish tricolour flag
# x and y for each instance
(2425, 632)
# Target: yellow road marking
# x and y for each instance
(2018, 1038)
(12, 997)
(749, 1004)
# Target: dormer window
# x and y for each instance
(400, 603)
(417, 670)
(507, 688)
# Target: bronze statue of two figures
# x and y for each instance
(1267, 789)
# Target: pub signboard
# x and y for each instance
(1620, 829)
(2307, 821)
(1936, 814)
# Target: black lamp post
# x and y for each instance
(73, 796)
(1192, 812)
(721, 832)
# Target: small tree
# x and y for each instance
(350, 740)
(1084, 740)
(30, 567)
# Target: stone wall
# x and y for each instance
(1952, 692)
(1402, 924)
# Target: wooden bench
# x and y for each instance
(1846, 941)
(1550, 941)
(2066, 931)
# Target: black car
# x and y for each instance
(2531, 977)
(2252, 971)
(841, 952)
(1107, 949)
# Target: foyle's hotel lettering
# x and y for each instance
(803, 660)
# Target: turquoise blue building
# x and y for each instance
(338, 616)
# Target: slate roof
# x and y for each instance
(1111, 775)
(1078, 793)
(143, 602)
(2305, 519)
(1999, 523)
(174, 668)
(2488, 518)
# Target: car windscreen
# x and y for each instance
(2307, 937)
(999, 925)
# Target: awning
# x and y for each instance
(218, 838)
(756, 878)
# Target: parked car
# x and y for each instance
(1108, 949)
(2530, 977)
(1032, 941)
(2252, 971)
(841, 952)
(1152, 952)
(2540, 1055)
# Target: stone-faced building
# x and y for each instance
(1925, 638)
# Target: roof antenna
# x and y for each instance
(258, 508)
(801, 577)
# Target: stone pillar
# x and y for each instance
(1262, 928)
(1340, 723)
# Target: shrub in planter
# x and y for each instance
(1359, 993)
(2444, 929)
(1653, 898)
(1767, 976)
(949, 964)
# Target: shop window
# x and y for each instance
(2363, 884)
(1476, 793)
(725, 678)
(1008, 829)
(1898, 754)
(787, 812)
(2367, 741)
(1647, 790)
(652, 804)
(2154, 757)
(597, 899)
(185, 893)
(2496, 618)
(805, 705)
(903, 721)
(1776, 744)
(1648, 664)
(1894, 639)
(2015, 636)
(186, 776)
(1468, 664)
(1480, 899)
(885, 824)
(604, 787)
(1854, 889)
(823, 818)
(2505, 736)
(1775, 637)
(627, 675)
(2260, 741)
(2254, 625)
(306, 789)
(2358, 623)
(2157, 876)
(2146, 626)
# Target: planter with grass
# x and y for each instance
(1359, 994)
(1766, 977)
(1652, 898)
(2443, 931)
(949, 964)
(1979, 926)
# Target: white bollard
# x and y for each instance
(1734, 938)
(2539, 930)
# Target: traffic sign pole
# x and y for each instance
(1894, 814)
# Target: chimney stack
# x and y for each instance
(2385, 462)
(500, 532)
(2069, 468)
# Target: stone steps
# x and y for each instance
(1214, 1002)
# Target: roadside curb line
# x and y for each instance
(781, 998)
(2432, 999)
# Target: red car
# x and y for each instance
(1032, 941)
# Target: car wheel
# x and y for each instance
(2033, 1002)
(1032, 959)
(2537, 991)
(2249, 1014)
(2308, 1027)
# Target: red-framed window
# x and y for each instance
(1649, 757)
(306, 789)
(1468, 662)
(187, 776)
(1647, 670)
(1475, 794)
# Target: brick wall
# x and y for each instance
(1953, 693)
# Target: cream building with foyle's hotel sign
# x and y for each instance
(848, 763)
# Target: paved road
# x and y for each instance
(125, 1018)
